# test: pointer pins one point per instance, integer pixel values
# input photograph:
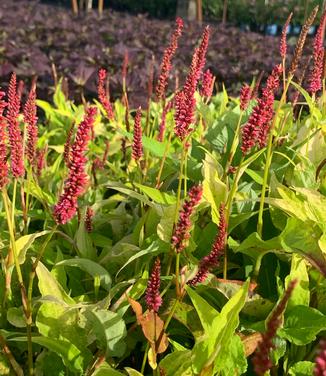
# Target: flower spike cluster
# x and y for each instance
(181, 231)
(167, 58)
(162, 126)
(245, 96)
(261, 360)
(15, 136)
(212, 260)
(137, 146)
(75, 185)
(320, 361)
(88, 219)
(153, 298)
(207, 84)
(185, 101)
(315, 80)
(102, 94)
(255, 131)
(3, 148)
(283, 45)
(30, 119)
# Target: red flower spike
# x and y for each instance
(320, 361)
(167, 58)
(75, 185)
(102, 96)
(40, 159)
(88, 219)
(261, 360)
(255, 131)
(185, 102)
(207, 84)
(245, 96)
(3, 147)
(283, 45)
(153, 298)
(137, 146)
(212, 260)
(30, 119)
(181, 231)
(315, 79)
(15, 136)
(166, 110)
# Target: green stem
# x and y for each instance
(6, 351)
(171, 313)
(13, 205)
(269, 160)
(166, 150)
(144, 359)
(177, 274)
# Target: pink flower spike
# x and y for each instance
(320, 361)
(181, 231)
(261, 360)
(77, 180)
(102, 96)
(315, 79)
(283, 45)
(88, 219)
(207, 84)
(3, 147)
(166, 110)
(137, 146)
(153, 298)
(15, 136)
(212, 260)
(245, 96)
(30, 119)
(167, 58)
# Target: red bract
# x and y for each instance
(212, 260)
(245, 96)
(3, 148)
(283, 46)
(40, 158)
(181, 231)
(153, 298)
(102, 96)
(15, 137)
(320, 361)
(261, 360)
(315, 79)
(75, 185)
(137, 146)
(207, 84)
(166, 61)
(255, 131)
(31, 119)
(185, 102)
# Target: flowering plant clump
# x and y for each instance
(186, 237)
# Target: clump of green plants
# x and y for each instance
(186, 238)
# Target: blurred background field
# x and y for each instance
(45, 39)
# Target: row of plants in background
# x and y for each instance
(186, 237)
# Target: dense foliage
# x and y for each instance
(187, 237)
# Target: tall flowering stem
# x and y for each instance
(166, 61)
(320, 360)
(153, 298)
(185, 102)
(30, 119)
(102, 95)
(315, 79)
(137, 145)
(15, 136)
(3, 147)
(212, 259)
(283, 44)
(75, 185)
(261, 360)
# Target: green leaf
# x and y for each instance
(24, 242)
(16, 317)
(106, 370)
(48, 285)
(69, 353)
(256, 176)
(156, 195)
(109, 330)
(208, 348)
(304, 368)
(133, 372)
(84, 242)
(177, 364)
(302, 324)
(91, 267)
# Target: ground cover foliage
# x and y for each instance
(35, 35)
(184, 237)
